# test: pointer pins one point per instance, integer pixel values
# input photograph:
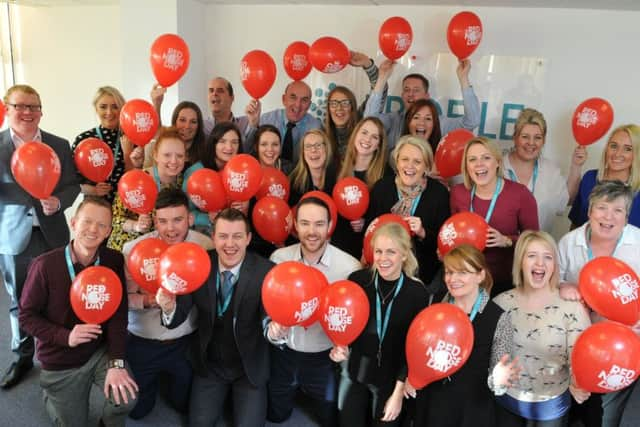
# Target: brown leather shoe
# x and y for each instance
(16, 371)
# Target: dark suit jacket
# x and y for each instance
(15, 202)
(249, 318)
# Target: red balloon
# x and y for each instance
(367, 247)
(169, 59)
(463, 228)
(206, 191)
(439, 342)
(344, 311)
(591, 120)
(290, 293)
(610, 287)
(272, 219)
(333, 210)
(184, 267)
(464, 34)
(143, 262)
(606, 358)
(329, 55)
(296, 60)
(94, 159)
(139, 121)
(2, 112)
(95, 294)
(138, 191)
(351, 196)
(257, 73)
(274, 183)
(241, 177)
(395, 37)
(36, 168)
(323, 283)
(450, 151)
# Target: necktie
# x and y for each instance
(227, 284)
(287, 144)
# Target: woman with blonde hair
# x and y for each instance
(169, 156)
(620, 161)
(373, 376)
(545, 330)
(365, 159)
(315, 169)
(507, 206)
(107, 103)
(463, 399)
(526, 164)
(421, 200)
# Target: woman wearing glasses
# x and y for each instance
(314, 170)
(107, 102)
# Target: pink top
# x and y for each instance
(515, 211)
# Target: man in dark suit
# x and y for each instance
(28, 226)
(229, 351)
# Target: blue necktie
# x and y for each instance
(227, 284)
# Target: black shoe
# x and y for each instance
(16, 371)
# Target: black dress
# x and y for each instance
(433, 209)
(464, 399)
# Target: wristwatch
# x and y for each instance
(115, 363)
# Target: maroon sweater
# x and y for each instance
(515, 211)
(46, 313)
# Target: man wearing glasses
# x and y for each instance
(28, 226)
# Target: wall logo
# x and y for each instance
(351, 195)
(338, 318)
(587, 117)
(95, 296)
(173, 283)
(143, 122)
(97, 157)
(472, 35)
(626, 288)
(135, 198)
(237, 181)
(307, 308)
(444, 357)
(617, 378)
(172, 59)
(149, 268)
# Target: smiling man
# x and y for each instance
(153, 349)
(76, 355)
(293, 120)
(229, 354)
(300, 356)
(28, 226)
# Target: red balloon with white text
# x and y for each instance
(395, 37)
(463, 228)
(241, 177)
(95, 294)
(94, 159)
(143, 262)
(205, 190)
(351, 196)
(591, 120)
(257, 73)
(36, 168)
(169, 59)
(184, 267)
(138, 191)
(139, 121)
(329, 55)
(296, 60)
(464, 34)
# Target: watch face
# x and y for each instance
(116, 363)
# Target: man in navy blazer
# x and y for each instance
(229, 352)
(28, 226)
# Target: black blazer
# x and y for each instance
(249, 318)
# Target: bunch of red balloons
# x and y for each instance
(95, 294)
(591, 120)
(36, 168)
(94, 159)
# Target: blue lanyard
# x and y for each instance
(156, 177)
(117, 143)
(381, 327)
(476, 305)
(590, 252)
(222, 307)
(513, 176)
(67, 257)
(492, 205)
(414, 204)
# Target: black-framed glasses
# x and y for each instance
(344, 103)
(34, 108)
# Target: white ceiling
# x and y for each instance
(568, 4)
